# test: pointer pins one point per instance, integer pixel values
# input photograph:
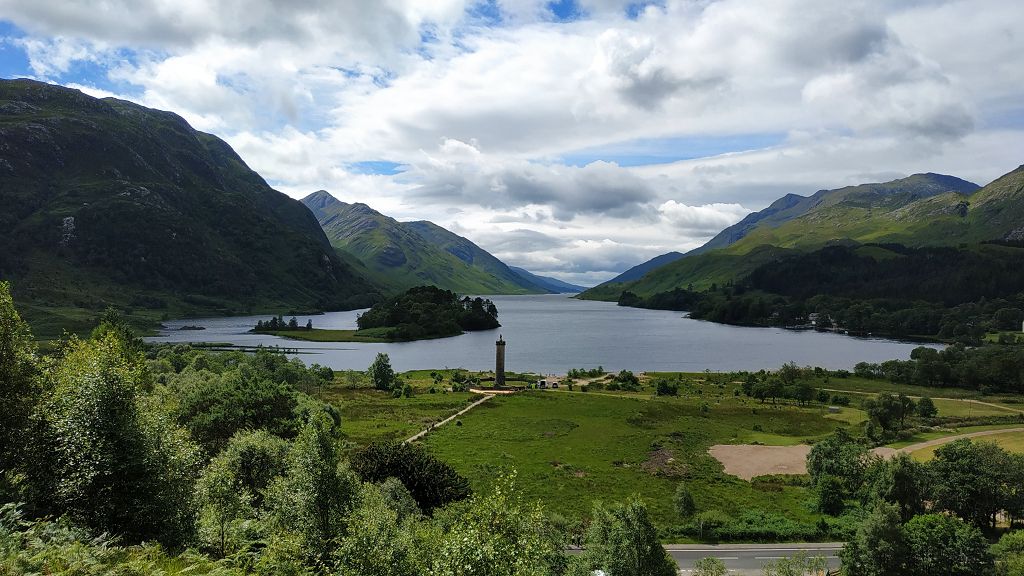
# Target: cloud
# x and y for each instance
(461, 173)
(706, 219)
(479, 101)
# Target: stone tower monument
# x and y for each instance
(499, 363)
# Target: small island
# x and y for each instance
(420, 313)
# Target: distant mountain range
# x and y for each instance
(400, 255)
(108, 203)
(921, 210)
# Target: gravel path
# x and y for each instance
(423, 433)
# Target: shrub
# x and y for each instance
(431, 482)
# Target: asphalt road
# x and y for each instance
(748, 558)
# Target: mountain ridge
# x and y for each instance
(878, 212)
(401, 255)
(109, 203)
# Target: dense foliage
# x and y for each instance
(922, 518)
(429, 312)
(174, 460)
(947, 293)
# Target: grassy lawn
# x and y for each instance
(1010, 441)
(368, 415)
(956, 408)
(318, 335)
(926, 436)
(572, 448)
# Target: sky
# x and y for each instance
(574, 138)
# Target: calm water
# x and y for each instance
(553, 333)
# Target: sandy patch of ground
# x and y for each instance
(750, 460)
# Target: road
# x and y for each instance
(744, 559)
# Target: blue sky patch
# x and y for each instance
(13, 60)
(635, 9)
(377, 167)
(486, 12)
(650, 151)
(565, 10)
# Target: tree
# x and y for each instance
(498, 534)
(380, 542)
(941, 545)
(666, 388)
(885, 410)
(841, 456)
(622, 541)
(110, 459)
(19, 386)
(878, 548)
(830, 492)
(221, 503)
(218, 406)
(709, 567)
(431, 482)
(926, 408)
(381, 373)
(255, 458)
(901, 481)
(317, 493)
(683, 500)
(970, 479)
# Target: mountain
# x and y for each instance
(106, 202)
(638, 271)
(609, 290)
(888, 195)
(400, 255)
(551, 284)
(920, 210)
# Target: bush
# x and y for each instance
(666, 388)
(684, 502)
(431, 482)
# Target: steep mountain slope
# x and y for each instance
(881, 196)
(548, 283)
(468, 252)
(610, 289)
(107, 202)
(400, 255)
(921, 210)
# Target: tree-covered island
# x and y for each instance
(419, 313)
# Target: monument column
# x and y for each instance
(499, 363)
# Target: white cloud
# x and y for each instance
(478, 115)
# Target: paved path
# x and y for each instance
(973, 401)
(947, 439)
(749, 558)
(423, 433)
(746, 559)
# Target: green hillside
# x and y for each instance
(401, 255)
(106, 203)
(921, 210)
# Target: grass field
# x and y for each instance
(926, 436)
(319, 335)
(1010, 441)
(572, 448)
